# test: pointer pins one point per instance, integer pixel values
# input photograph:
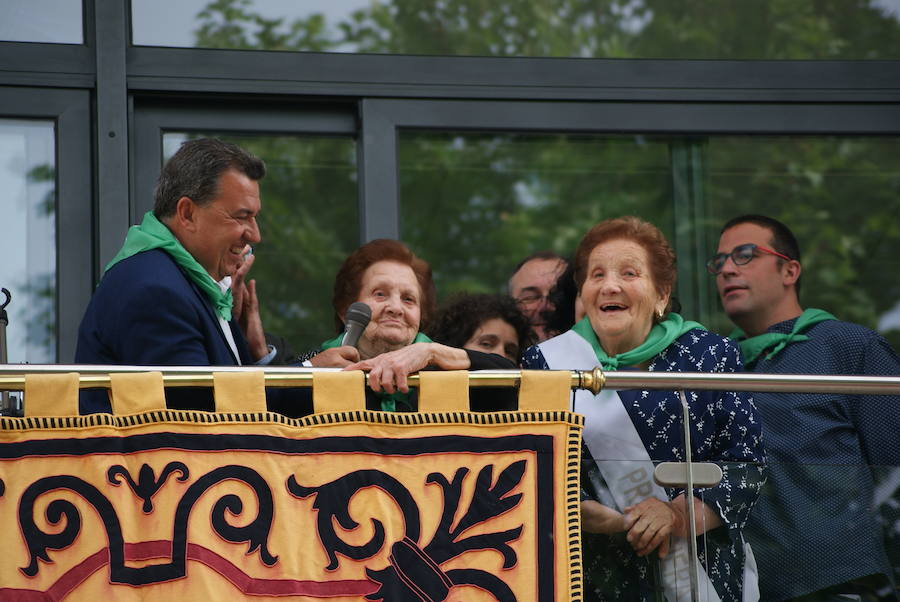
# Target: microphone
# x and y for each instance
(355, 321)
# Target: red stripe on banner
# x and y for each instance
(64, 585)
(162, 549)
(26, 595)
(278, 587)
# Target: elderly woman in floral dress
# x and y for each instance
(634, 530)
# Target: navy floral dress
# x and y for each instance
(725, 429)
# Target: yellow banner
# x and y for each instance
(354, 505)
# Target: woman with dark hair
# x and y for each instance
(482, 322)
(398, 288)
(625, 273)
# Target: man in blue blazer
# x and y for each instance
(165, 299)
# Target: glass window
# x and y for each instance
(309, 224)
(719, 29)
(28, 238)
(54, 21)
(841, 198)
(473, 205)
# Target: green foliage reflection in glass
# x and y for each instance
(840, 196)
(474, 204)
(40, 288)
(309, 223)
(689, 29)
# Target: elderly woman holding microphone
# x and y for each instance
(397, 287)
(625, 272)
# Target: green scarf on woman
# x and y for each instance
(388, 401)
(753, 347)
(153, 234)
(660, 337)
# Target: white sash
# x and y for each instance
(624, 462)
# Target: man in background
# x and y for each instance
(814, 531)
(530, 285)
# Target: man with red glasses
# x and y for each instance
(814, 530)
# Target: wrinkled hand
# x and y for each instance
(336, 357)
(597, 518)
(649, 525)
(388, 371)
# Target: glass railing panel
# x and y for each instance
(808, 527)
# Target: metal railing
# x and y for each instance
(12, 378)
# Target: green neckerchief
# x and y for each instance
(153, 234)
(660, 337)
(753, 347)
(388, 401)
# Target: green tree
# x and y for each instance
(231, 24)
(690, 29)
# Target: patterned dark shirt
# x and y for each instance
(725, 429)
(816, 523)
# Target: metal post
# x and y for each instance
(689, 499)
(379, 187)
(4, 322)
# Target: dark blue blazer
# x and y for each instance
(147, 312)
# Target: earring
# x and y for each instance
(659, 315)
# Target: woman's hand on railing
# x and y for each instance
(388, 371)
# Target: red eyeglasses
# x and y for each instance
(740, 255)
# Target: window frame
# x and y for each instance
(69, 110)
